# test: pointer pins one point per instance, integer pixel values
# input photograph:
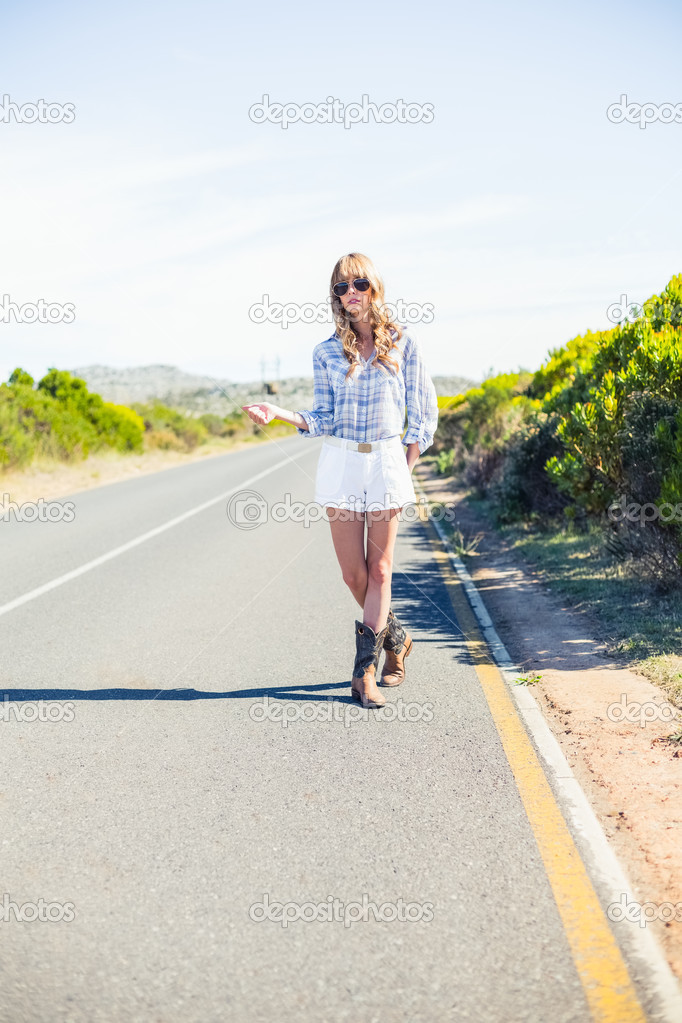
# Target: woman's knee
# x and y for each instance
(355, 577)
(380, 570)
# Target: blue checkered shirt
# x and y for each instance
(371, 404)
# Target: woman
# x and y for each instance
(366, 373)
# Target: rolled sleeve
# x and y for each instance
(420, 399)
(320, 418)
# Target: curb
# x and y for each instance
(604, 865)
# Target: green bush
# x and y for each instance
(632, 362)
(213, 424)
(444, 461)
(169, 429)
(602, 418)
(564, 372)
(112, 425)
(474, 434)
(524, 490)
(225, 426)
(60, 419)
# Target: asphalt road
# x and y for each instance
(202, 756)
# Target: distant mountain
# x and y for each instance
(193, 393)
(144, 383)
(449, 386)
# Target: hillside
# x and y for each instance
(199, 394)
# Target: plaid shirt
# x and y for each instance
(371, 404)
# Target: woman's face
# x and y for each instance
(356, 303)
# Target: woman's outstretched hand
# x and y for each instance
(261, 413)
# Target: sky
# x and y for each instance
(150, 214)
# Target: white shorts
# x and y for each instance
(364, 480)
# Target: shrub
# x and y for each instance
(600, 419)
(60, 419)
(161, 422)
(632, 361)
(213, 424)
(524, 489)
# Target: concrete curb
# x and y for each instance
(603, 864)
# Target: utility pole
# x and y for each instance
(270, 382)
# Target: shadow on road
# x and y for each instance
(418, 598)
(311, 692)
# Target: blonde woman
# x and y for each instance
(366, 374)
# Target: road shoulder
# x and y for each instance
(632, 782)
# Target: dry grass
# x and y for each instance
(639, 622)
(665, 670)
(51, 479)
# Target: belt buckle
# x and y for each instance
(362, 446)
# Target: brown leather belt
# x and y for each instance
(365, 446)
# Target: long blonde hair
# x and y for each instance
(354, 264)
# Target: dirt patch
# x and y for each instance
(632, 778)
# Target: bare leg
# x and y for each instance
(368, 577)
(348, 536)
(382, 529)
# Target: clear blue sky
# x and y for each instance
(163, 213)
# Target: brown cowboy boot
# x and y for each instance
(367, 646)
(397, 646)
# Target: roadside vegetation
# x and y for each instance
(58, 420)
(580, 465)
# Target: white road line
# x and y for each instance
(110, 555)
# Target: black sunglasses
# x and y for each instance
(360, 284)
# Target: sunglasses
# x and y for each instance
(360, 284)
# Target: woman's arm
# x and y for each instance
(264, 412)
(295, 418)
(412, 455)
(421, 402)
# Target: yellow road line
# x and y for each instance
(608, 988)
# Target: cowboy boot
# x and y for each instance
(367, 646)
(397, 646)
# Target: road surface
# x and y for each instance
(204, 824)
